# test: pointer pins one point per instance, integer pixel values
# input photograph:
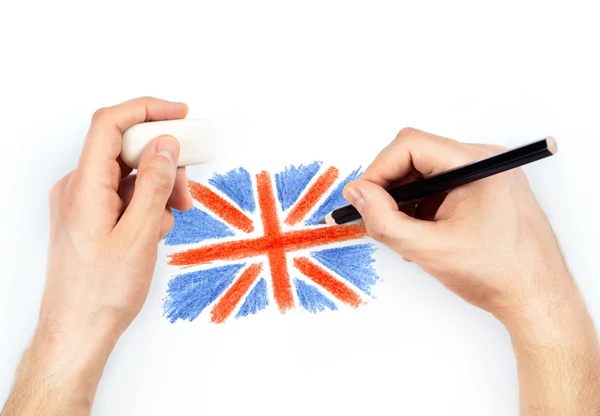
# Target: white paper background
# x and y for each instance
(302, 80)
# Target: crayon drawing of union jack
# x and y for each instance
(256, 241)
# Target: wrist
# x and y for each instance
(74, 347)
(67, 359)
(56, 376)
(557, 319)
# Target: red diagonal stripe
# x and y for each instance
(230, 299)
(289, 241)
(282, 289)
(312, 196)
(220, 207)
(324, 279)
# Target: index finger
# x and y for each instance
(104, 139)
(414, 149)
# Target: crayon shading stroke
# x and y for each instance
(311, 299)
(328, 282)
(190, 293)
(286, 240)
(312, 196)
(353, 263)
(255, 301)
(221, 207)
(194, 226)
(235, 293)
(237, 185)
(292, 181)
(334, 200)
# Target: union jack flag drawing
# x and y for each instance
(256, 241)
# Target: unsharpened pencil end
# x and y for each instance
(552, 146)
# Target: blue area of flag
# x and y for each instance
(256, 301)
(353, 263)
(311, 299)
(237, 185)
(334, 200)
(195, 225)
(188, 294)
(292, 181)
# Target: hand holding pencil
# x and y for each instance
(413, 192)
(482, 240)
(489, 242)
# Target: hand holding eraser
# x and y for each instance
(195, 136)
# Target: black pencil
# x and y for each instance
(456, 177)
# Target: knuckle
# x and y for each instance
(100, 114)
(54, 194)
(521, 176)
(407, 133)
(498, 149)
(479, 152)
(141, 101)
(57, 190)
(488, 149)
(54, 199)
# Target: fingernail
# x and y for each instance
(354, 196)
(167, 147)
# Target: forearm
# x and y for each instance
(558, 358)
(59, 374)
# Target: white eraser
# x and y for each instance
(195, 136)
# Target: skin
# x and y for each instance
(519, 275)
(106, 225)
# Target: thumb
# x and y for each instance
(385, 222)
(153, 187)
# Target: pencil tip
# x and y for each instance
(328, 219)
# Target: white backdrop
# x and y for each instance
(302, 79)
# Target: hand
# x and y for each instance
(489, 241)
(105, 228)
(106, 224)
